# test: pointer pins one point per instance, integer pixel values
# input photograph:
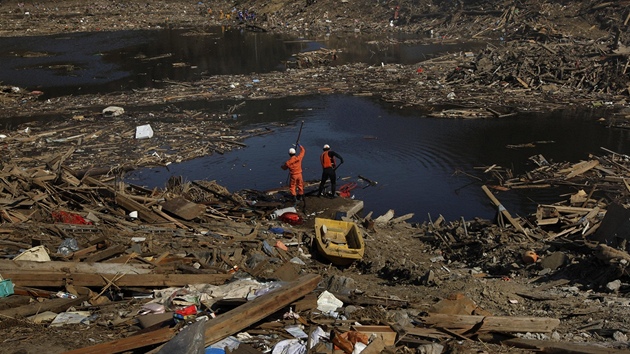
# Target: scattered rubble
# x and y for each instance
(538, 55)
(108, 256)
(93, 264)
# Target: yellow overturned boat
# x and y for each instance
(341, 242)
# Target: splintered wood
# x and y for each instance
(600, 181)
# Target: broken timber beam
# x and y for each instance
(568, 209)
(106, 253)
(217, 194)
(506, 324)
(145, 214)
(54, 305)
(259, 308)
(579, 168)
(72, 267)
(38, 279)
(503, 211)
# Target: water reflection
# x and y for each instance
(415, 159)
(102, 62)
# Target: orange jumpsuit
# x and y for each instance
(294, 165)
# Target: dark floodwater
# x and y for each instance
(102, 62)
(420, 164)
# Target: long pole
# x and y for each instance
(299, 134)
(296, 143)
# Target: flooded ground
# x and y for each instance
(102, 62)
(422, 165)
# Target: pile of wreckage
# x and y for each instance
(594, 218)
(204, 264)
(126, 140)
(202, 269)
(601, 184)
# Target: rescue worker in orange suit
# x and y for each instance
(329, 166)
(294, 165)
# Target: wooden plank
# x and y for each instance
(592, 214)
(568, 209)
(520, 81)
(401, 218)
(72, 267)
(145, 214)
(492, 323)
(425, 333)
(59, 279)
(68, 176)
(579, 168)
(183, 208)
(54, 305)
(503, 211)
(169, 218)
(158, 336)
(161, 258)
(550, 221)
(106, 253)
(17, 300)
(82, 253)
(33, 292)
(259, 308)
(560, 234)
(351, 209)
(385, 218)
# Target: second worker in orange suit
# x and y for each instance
(329, 166)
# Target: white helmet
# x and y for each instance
(291, 151)
(326, 147)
